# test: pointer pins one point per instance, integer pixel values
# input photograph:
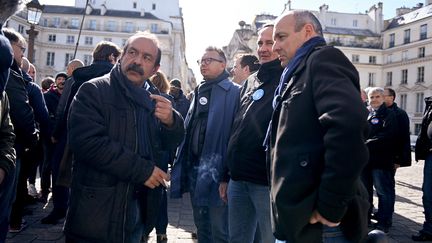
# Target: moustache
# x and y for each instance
(135, 68)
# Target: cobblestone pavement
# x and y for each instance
(407, 220)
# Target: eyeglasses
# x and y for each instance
(207, 61)
(23, 49)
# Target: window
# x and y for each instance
(333, 21)
(134, 4)
(70, 39)
(420, 74)
(404, 55)
(87, 60)
(392, 40)
(372, 59)
(50, 59)
(74, 23)
(123, 42)
(56, 22)
(111, 26)
(417, 128)
(68, 58)
(88, 40)
(371, 80)
(419, 102)
(407, 35)
(403, 101)
(45, 22)
(154, 6)
(52, 38)
(389, 58)
(108, 39)
(355, 23)
(21, 29)
(421, 52)
(389, 79)
(404, 78)
(355, 58)
(129, 27)
(423, 31)
(92, 24)
(153, 28)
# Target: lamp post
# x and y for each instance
(34, 13)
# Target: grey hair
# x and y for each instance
(8, 8)
(378, 90)
(303, 17)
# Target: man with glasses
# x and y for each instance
(198, 168)
(22, 117)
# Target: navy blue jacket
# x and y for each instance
(203, 182)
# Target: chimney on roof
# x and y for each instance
(103, 9)
(142, 12)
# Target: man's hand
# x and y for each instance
(317, 218)
(2, 175)
(223, 186)
(164, 110)
(157, 177)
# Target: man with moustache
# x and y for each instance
(116, 132)
(248, 188)
(199, 165)
(316, 138)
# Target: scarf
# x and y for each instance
(289, 70)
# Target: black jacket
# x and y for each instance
(382, 138)
(103, 137)
(423, 144)
(21, 113)
(72, 84)
(403, 141)
(317, 150)
(246, 157)
(7, 136)
(181, 103)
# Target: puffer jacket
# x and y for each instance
(103, 137)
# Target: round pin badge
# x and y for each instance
(258, 94)
(203, 101)
(375, 121)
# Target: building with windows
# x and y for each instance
(394, 53)
(114, 21)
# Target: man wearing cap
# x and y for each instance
(181, 102)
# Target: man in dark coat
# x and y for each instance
(116, 132)
(181, 102)
(423, 151)
(248, 188)
(316, 138)
(7, 152)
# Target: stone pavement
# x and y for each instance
(407, 220)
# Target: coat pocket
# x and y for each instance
(89, 214)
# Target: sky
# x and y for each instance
(213, 22)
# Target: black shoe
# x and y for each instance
(53, 217)
(161, 238)
(382, 227)
(421, 236)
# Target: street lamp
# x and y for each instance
(34, 13)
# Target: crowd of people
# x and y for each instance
(284, 148)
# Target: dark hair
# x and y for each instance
(303, 17)
(104, 50)
(218, 50)
(47, 82)
(13, 36)
(251, 61)
(61, 74)
(391, 92)
(149, 36)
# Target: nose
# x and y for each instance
(275, 46)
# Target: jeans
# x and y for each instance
(249, 205)
(384, 183)
(211, 223)
(162, 221)
(427, 194)
(330, 235)
(7, 196)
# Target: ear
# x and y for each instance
(308, 30)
